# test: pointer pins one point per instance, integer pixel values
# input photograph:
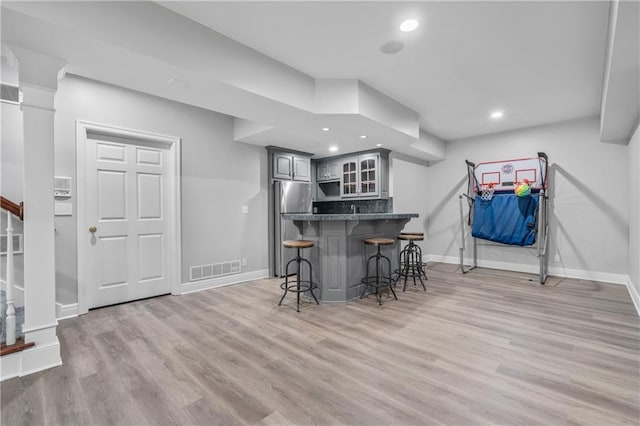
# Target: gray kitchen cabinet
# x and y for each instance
(287, 166)
(328, 171)
(301, 169)
(360, 176)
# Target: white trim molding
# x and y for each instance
(192, 287)
(605, 277)
(44, 355)
(29, 361)
(633, 292)
(66, 311)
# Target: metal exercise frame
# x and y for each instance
(542, 220)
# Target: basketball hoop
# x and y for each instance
(486, 192)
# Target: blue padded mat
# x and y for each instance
(506, 219)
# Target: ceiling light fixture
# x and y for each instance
(408, 25)
(378, 145)
(497, 114)
(333, 148)
(325, 129)
(363, 137)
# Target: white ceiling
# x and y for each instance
(540, 62)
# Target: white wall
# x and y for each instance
(219, 176)
(409, 187)
(634, 209)
(589, 209)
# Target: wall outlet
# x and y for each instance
(556, 257)
(245, 210)
(244, 261)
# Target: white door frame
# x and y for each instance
(174, 264)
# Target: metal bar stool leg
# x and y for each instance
(285, 285)
(298, 281)
(389, 269)
(312, 285)
(378, 295)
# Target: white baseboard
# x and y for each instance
(633, 292)
(29, 361)
(191, 287)
(66, 311)
(603, 277)
(606, 277)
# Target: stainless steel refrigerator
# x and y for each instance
(289, 197)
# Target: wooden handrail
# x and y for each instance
(8, 205)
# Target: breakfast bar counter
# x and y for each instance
(339, 256)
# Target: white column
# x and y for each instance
(38, 77)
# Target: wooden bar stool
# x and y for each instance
(378, 281)
(300, 285)
(411, 265)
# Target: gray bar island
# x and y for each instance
(339, 256)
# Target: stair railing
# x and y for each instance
(10, 319)
(10, 206)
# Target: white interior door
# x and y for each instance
(127, 214)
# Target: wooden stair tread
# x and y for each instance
(20, 345)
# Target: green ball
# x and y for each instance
(522, 190)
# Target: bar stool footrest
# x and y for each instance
(293, 286)
(383, 281)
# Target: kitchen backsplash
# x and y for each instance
(362, 206)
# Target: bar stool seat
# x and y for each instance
(410, 237)
(379, 241)
(300, 285)
(297, 243)
(379, 280)
(411, 265)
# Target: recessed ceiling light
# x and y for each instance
(325, 129)
(497, 114)
(363, 137)
(333, 148)
(378, 144)
(408, 25)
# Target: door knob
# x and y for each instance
(93, 229)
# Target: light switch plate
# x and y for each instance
(63, 209)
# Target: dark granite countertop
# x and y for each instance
(351, 216)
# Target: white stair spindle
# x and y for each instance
(11, 311)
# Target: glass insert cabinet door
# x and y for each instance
(368, 170)
(350, 179)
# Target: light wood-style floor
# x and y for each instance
(488, 347)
